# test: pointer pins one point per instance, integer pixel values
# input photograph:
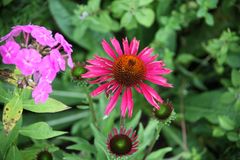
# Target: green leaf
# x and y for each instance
(134, 121)
(14, 154)
(126, 19)
(207, 105)
(159, 154)
(226, 123)
(12, 113)
(7, 140)
(81, 144)
(145, 16)
(209, 19)
(233, 136)
(144, 2)
(40, 130)
(235, 78)
(94, 4)
(61, 15)
(50, 106)
(99, 142)
(185, 58)
(4, 96)
(218, 132)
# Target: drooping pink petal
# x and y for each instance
(134, 45)
(124, 104)
(126, 48)
(148, 96)
(108, 49)
(158, 80)
(113, 101)
(116, 46)
(130, 101)
(100, 89)
(152, 92)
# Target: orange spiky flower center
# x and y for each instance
(128, 70)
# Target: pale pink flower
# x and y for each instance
(127, 70)
(43, 36)
(27, 61)
(41, 92)
(9, 52)
(57, 60)
(47, 69)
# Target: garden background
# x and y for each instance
(198, 39)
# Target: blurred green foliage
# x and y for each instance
(198, 39)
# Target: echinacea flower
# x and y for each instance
(37, 55)
(122, 143)
(127, 70)
(44, 155)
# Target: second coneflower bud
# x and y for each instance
(78, 70)
(165, 114)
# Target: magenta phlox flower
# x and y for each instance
(37, 54)
(47, 69)
(9, 52)
(57, 60)
(27, 61)
(41, 92)
(66, 46)
(43, 36)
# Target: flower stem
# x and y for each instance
(158, 130)
(90, 101)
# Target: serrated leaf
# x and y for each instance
(40, 130)
(226, 123)
(50, 106)
(235, 78)
(159, 154)
(12, 113)
(145, 16)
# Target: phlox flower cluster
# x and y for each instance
(38, 55)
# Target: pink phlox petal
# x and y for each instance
(9, 52)
(28, 60)
(57, 60)
(66, 46)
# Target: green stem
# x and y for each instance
(159, 128)
(94, 117)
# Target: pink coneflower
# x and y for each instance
(122, 143)
(127, 69)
